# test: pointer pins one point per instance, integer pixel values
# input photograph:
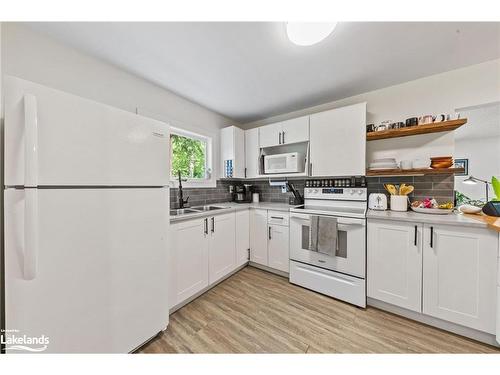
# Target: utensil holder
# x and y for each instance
(399, 203)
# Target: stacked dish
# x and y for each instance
(440, 162)
(385, 163)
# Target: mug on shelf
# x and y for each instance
(426, 119)
(412, 121)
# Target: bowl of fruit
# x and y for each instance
(431, 206)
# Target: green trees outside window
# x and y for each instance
(188, 156)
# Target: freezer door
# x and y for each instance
(56, 139)
(86, 268)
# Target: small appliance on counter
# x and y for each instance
(242, 193)
(377, 201)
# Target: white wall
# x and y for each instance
(33, 56)
(480, 144)
(441, 93)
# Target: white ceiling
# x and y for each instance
(249, 71)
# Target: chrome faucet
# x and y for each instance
(182, 202)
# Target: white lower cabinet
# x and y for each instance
(459, 281)
(221, 250)
(269, 239)
(242, 223)
(394, 269)
(188, 260)
(258, 236)
(202, 252)
(278, 249)
(445, 271)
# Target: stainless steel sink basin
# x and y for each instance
(183, 211)
(208, 208)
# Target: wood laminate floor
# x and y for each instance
(258, 312)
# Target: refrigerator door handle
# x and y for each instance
(31, 141)
(30, 233)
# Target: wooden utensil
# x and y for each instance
(391, 189)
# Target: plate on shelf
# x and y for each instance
(434, 211)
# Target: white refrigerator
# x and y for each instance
(86, 223)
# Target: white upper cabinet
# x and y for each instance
(459, 283)
(295, 130)
(232, 147)
(252, 152)
(394, 263)
(270, 135)
(338, 141)
(285, 132)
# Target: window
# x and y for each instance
(190, 155)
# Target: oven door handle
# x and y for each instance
(300, 216)
(340, 220)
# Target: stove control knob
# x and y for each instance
(360, 192)
(351, 191)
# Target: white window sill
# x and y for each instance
(193, 184)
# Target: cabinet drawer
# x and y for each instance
(333, 284)
(277, 217)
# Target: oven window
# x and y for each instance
(309, 242)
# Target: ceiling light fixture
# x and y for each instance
(308, 33)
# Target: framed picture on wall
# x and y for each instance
(462, 163)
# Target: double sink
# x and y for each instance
(194, 210)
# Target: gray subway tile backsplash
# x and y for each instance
(438, 186)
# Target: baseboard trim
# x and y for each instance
(204, 290)
(471, 333)
(269, 269)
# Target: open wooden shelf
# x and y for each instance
(412, 172)
(438, 127)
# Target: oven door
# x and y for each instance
(348, 247)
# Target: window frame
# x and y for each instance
(209, 180)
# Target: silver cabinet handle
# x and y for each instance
(206, 226)
(279, 138)
(270, 233)
(213, 224)
(277, 217)
(283, 137)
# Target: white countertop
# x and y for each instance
(450, 219)
(231, 207)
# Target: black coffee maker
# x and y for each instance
(242, 193)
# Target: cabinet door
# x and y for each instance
(270, 135)
(394, 263)
(242, 236)
(189, 261)
(460, 275)
(338, 141)
(258, 236)
(232, 147)
(295, 130)
(252, 152)
(278, 253)
(222, 253)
